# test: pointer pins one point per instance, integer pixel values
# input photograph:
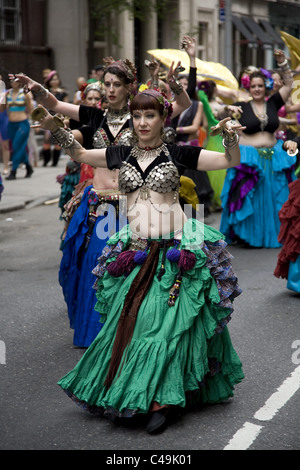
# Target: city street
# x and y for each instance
(36, 345)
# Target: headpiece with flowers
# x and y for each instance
(265, 75)
(160, 97)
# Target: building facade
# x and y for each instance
(65, 34)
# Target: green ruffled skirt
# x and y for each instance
(177, 353)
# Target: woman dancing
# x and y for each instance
(288, 263)
(165, 282)
(86, 212)
(255, 190)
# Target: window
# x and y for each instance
(10, 25)
(202, 40)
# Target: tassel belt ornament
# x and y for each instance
(95, 199)
(148, 259)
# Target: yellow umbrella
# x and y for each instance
(293, 45)
(205, 70)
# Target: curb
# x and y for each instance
(30, 204)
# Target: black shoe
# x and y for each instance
(46, 156)
(12, 175)
(157, 420)
(55, 157)
(29, 171)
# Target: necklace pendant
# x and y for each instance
(144, 193)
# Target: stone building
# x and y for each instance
(65, 35)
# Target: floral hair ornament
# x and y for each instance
(245, 81)
(204, 86)
(162, 99)
(269, 82)
(143, 87)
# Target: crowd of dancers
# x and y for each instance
(150, 289)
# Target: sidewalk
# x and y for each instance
(42, 186)
(30, 192)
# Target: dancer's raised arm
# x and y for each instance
(182, 100)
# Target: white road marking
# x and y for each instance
(276, 401)
(246, 435)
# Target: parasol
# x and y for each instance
(205, 70)
(293, 45)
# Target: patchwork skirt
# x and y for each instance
(168, 343)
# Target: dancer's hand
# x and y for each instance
(153, 67)
(291, 147)
(279, 56)
(189, 45)
(227, 126)
(45, 119)
(27, 83)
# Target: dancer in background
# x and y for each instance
(90, 96)
(19, 106)
(153, 352)
(288, 263)
(82, 246)
(53, 84)
(255, 190)
(188, 127)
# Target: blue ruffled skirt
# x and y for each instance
(254, 193)
(80, 254)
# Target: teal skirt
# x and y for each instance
(253, 194)
(180, 350)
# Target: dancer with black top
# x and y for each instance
(165, 282)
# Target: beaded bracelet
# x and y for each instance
(283, 64)
(63, 137)
(175, 86)
(229, 142)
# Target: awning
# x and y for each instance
(252, 42)
(262, 37)
(272, 33)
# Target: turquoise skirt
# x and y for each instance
(254, 193)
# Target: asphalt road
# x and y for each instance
(36, 351)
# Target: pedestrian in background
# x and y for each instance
(19, 106)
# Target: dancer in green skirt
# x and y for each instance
(165, 282)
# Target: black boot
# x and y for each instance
(55, 157)
(46, 156)
(157, 420)
(29, 171)
(12, 175)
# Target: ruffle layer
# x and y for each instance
(289, 234)
(254, 193)
(175, 352)
(75, 274)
